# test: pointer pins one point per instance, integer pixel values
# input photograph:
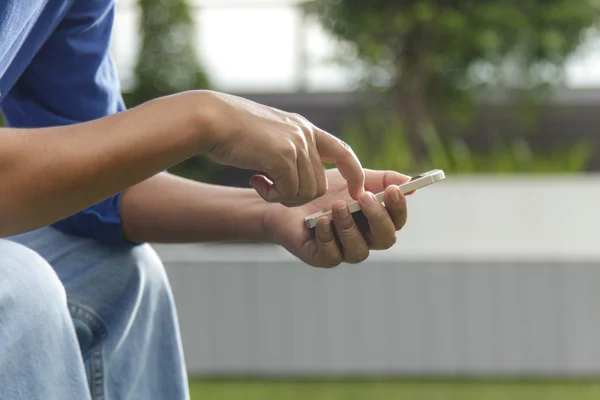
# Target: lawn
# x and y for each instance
(409, 390)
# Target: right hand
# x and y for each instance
(286, 149)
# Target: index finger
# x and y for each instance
(334, 151)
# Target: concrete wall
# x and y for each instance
(491, 276)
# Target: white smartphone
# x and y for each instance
(415, 183)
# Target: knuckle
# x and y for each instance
(306, 135)
(301, 120)
(303, 152)
(363, 255)
(386, 178)
(389, 241)
(402, 223)
(377, 213)
(331, 263)
(336, 258)
(359, 256)
(298, 139)
(345, 227)
(393, 240)
(288, 151)
(346, 147)
(306, 127)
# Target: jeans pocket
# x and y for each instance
(91, 334)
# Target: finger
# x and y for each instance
(377, 181)
(334, 151)
(307, 184)
(261, 184)
(284, 178)
(381, 226)
(330, 254)
(395, 203)
(354, 245)
(264, 186)
(315, 158)
(319, 172)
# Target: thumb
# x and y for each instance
(262, 185)
(378, 181)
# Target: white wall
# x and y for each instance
(490, 276)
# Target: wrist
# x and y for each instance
(206, 118)
(262, 234)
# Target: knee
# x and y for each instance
(144, 270)
(28, 284)
(151, 271)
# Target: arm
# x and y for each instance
(170, 209)
(50, 173)
(71, 80)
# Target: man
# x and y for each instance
(86, 311)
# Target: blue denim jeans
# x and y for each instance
(79, 321)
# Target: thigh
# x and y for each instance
(100, 278)
(28, 286)
(39, 352)
(122, 307)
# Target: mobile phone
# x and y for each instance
(415, 183)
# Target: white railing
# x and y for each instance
(494, 276)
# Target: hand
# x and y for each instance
(286, 149)
(347, 239)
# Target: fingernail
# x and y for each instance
(326, 225)
(368, 198)
(395, 196)
(344, 212)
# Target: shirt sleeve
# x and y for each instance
(72, 79)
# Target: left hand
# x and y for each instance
(351, 239)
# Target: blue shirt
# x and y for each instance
(55, 69)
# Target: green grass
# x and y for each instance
(402, 390)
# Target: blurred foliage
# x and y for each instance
(385, 146)
(434, 57)
(167, 63)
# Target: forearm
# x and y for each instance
(170, 209)
(50, 173)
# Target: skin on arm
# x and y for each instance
(170, 209)
(49, 173)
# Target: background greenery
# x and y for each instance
(428, 62)
(431, 60)
(168, 63)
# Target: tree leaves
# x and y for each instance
(443, 52)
